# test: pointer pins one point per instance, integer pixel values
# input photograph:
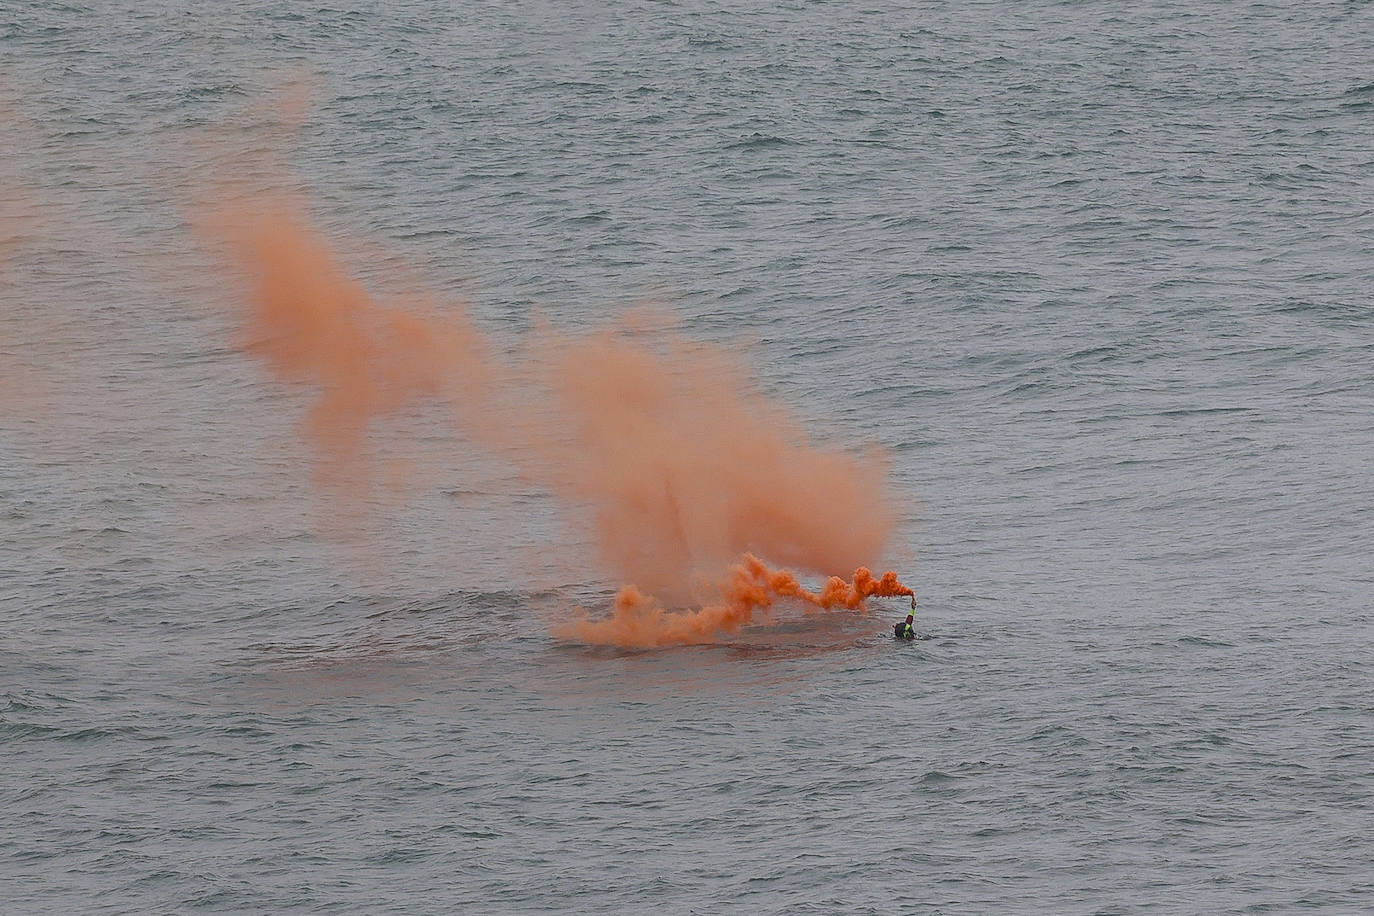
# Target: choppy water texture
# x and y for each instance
(1097, 276)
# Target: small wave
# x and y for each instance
(709, 42)
(596, 217)
(226, 90)
(1098, 354)
(1204, 411)
(758, 141)
(1209, 642)
(938, 777)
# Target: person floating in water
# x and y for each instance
(904, 629)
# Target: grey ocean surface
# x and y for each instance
(1097, 276)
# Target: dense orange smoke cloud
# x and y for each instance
(682, 465)
(745, 596)
(686, 466)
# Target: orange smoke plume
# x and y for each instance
(680, 463)
(748, 593)
(851, 595)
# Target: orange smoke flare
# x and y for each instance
(681, 463)
(852, 594)
(746, 595)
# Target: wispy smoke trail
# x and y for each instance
(315, 325)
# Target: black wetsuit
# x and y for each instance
(903, 630)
